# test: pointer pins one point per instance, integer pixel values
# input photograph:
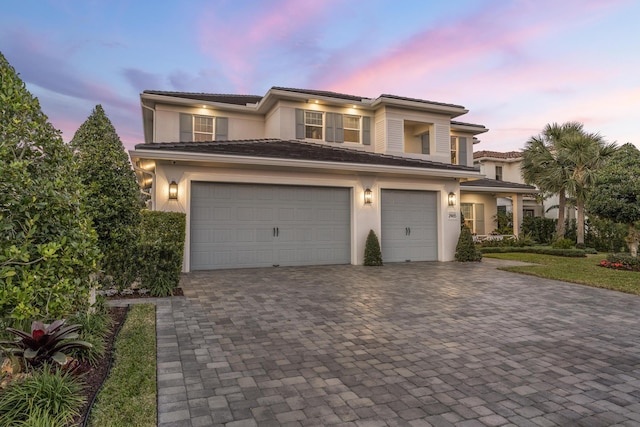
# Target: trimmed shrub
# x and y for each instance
(466, 250)
(520, 241)
(572, 253)
(113, 195)
(162, 236)
(372, 253)
(563, 244)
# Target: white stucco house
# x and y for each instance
(299, 177)
(506, 166)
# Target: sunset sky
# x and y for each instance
(516, 65)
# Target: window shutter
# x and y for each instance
(366, 131)
(339, 136)
(479, 217)
(426, 148)
(462, 151)
(299, 123)
(222, 128)
(186, 127)
(330, 134)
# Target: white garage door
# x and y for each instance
(409, 226)
(247, 225)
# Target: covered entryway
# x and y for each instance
(409, 225)
(254, 225)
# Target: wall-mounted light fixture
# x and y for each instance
(368, 196)
(173, 191)
(452, 199)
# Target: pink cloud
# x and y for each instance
(494, 38)
(241, 44)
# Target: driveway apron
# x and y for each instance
(415, 344)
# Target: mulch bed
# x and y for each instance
(94, 376)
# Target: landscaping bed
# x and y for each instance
(94, 376)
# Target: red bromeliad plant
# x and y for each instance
(45, 342)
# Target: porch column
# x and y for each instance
(517, 213)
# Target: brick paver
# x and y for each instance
(419, 344)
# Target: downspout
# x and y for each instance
(153, 183)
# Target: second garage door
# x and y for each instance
(409, 226)
(247, 225)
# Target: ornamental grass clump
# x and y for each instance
(466, 250)
(372, 252)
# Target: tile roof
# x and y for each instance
(252, 99)
(322, 93)
(486, 182)
(497, 154)
(284, 149)
(424, 101)
(455, 122)
(210, 97)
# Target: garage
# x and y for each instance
(255, 225)
(409, 225)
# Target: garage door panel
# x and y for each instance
(409, 225)
(232, 225)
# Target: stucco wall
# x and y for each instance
(364, 217)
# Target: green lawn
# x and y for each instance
(584, 271)
(128, 397)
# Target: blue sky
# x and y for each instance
(516, 65)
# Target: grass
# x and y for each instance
(584, 271)
(128, 397)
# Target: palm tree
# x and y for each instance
(543, 167)
(583, 153)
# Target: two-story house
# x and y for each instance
(507, 166)
(299, 177)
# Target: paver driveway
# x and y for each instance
(409, 344)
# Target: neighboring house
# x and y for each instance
(506, 166)
(299, 177)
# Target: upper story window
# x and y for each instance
(313, 124)
(203, 128)
(351, 128)
(459, 150)
(332, 127)
(498, 173)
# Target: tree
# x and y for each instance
(615, 193)
(543, 167)
(562, 160)
(372, 253)
(47, 245)
(113, 200)
(583, 154)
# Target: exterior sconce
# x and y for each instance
(368, 196)
(452, 199)
(173, 191)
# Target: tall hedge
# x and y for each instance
(113, 195)
(48, 248)
(161, 250)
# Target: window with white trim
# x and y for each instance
(498, 173)
(351, 128)
(313, 124)
(203, 128)
(459, 150)
(473, 214)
